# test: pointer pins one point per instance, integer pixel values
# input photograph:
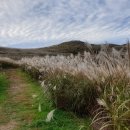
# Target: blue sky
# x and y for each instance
(36, 23)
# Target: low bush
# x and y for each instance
(8, 63)
(71, 92)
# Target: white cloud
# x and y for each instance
(29, 21)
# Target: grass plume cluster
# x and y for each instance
(76, 82)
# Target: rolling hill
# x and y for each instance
(64, 48)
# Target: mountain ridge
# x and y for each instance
(64, 48)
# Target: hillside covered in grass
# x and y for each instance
(65, 48)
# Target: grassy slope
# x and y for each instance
(64, 48)
(24, 110)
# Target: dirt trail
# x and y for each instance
(17, 96)
(9, 126)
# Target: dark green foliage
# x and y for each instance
(6, 65)
(71, 92)
(34, 73)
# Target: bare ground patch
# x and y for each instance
(17, 97)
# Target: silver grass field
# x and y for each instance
(97, 85)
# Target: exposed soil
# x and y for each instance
(9, 126)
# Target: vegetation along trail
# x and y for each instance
(23, 109)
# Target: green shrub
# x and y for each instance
(7, 64)
(71, 92)
(33, 72)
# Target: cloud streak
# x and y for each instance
(49, 22)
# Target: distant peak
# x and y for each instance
(73, 42)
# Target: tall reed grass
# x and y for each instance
(94, 84)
